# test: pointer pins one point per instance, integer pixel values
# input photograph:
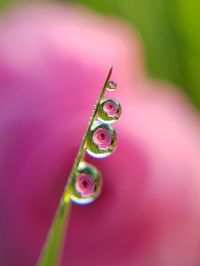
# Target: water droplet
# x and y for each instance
(102, 141)
(109, 111)
(111, 86)
(88, 184)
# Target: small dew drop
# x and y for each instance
(111, 86)
(88, 184)
(102, 141)
(109, 111)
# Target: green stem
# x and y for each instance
(52, 251)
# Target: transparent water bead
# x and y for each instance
(102, 141)
(109, 111)
(88, 184)
(111, 86)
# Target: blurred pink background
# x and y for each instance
(53, 62)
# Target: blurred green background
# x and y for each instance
(170, 32)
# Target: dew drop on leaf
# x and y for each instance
(101, 141)
(88, 184)
(109, 111)
(111, 86)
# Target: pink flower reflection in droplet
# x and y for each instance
(110, 108)
(102, 138)
(84, 185)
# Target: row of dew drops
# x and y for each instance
(100, 143)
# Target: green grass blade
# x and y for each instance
(52, 251)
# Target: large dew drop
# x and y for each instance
(102, 141)
(88, 184)
(109, 111)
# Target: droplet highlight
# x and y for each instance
(102, 141)
(88, 184)
(109, 111)
(111, 86)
